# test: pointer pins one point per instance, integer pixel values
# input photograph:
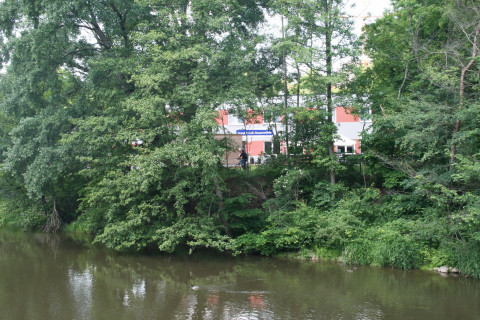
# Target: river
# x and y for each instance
(46, 277)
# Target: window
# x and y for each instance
(276, 146)
(345, 149)
(267, 147)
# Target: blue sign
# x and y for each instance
(255, 132)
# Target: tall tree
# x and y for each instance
(51, 49)
(422, 84)
(168, 190)
(432, 57)
(318, 40)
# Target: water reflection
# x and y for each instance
(81, 287)
(67, 280)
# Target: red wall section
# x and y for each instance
(255, 117)
(343, 115)
(222, 117)
(255, 148)
(357, 146)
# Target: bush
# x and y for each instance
(325, 194)
(286, 231)
(337, 227)
(241, 215)
(442, 256)
(467, 258)
(385, 247)
(347, 219)
(289, 189)
(17, 210)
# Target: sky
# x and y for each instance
(362, 8)
(359, 10)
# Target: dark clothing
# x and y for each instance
(243, 160)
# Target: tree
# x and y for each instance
(49, 57)
(422, 85)
(168, 191)
(318, 37)
(431, 58)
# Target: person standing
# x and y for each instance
(243, 159)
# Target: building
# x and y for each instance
(257, 134)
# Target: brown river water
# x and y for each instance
(45, 277)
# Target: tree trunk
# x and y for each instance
(298, 107)
(329, 66)
(285, 93)
(54, 222)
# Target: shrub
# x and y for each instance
(467, 258)
(17, 210)
(386, 247)
(242, 215)
(326, 195)
(286, 231)
(347, 219)
(337, 227)
(442, 256)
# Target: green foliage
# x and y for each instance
(193, 232)
(242, 216)
(16, 209)
(397, 61)
(286, 231)
(439, 257)
(337, 228)
(158, 189)
(325, 195)
(346, 220)
(467, 258)
(288, 188)
(50, 81)
(325, 253)
(5, 127)
(419, 135)
(387, 247)
(21, 214)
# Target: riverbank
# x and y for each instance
(322, 255)
(271, 211)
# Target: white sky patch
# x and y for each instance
(373, 7)
(366, 8)
(362, 12)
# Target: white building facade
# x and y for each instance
(257, 134)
